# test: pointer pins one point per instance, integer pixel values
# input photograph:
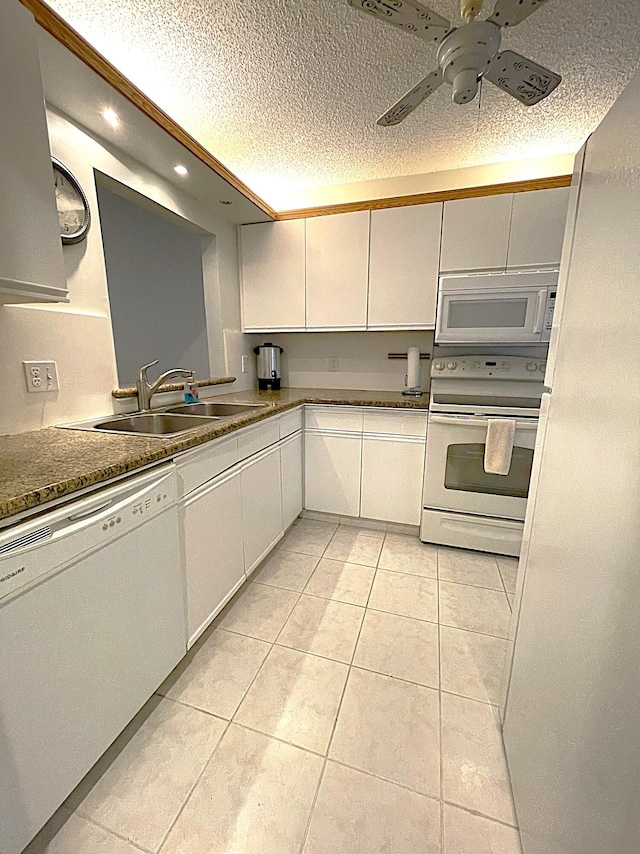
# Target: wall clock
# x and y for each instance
(74, 215)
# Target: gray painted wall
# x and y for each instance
(156, 292)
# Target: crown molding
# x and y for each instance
(426, 198)
(80, 47)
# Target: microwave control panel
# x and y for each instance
(548, 315)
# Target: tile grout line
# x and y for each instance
(500, 589)
(479, 815)
(504, 586)
(192, 789)
(312, 809)
(367, 607)
(353, 654)
(104, 827)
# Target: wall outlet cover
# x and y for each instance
(334, 364)
(245, 364)
(41, 376)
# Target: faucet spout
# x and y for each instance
(146, 390)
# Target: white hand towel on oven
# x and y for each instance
(499, 445)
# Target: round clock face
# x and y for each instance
(73, 208)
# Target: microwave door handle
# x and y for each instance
(542, 302)
(472, 421)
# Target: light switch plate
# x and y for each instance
(245, 364)
(41, 376)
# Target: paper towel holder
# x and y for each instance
(413, 391)
(404, 355)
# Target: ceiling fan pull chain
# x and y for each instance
(470, 9)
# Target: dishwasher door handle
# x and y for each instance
(83, 514)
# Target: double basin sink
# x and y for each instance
(169, 421)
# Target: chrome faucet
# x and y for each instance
(146, 390)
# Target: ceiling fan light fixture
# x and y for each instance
(466, 53)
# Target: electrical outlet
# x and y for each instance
(41, 376)
(334, 364)
(245, 364)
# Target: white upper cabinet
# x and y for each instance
(403, 267)
(475, 233)
(273, 275)
(537, 228)
(31, 264)
(337, 271)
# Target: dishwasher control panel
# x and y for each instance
(34, 549)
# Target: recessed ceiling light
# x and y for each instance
(224, 202)
(181, 170)
(110, 117)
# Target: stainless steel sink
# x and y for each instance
(153, 423)
(216, 410)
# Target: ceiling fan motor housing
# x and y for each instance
(464, 56)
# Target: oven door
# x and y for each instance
(455, 478)
(508, 315)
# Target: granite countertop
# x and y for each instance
(45, 465)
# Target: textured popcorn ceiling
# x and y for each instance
(286, 93)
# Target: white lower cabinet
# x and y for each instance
(291, 472)
(261, 505)
(392, 471)
(213, 549)
(332, 472)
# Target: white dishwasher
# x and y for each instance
(92, 619)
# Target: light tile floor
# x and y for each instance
(344, 702)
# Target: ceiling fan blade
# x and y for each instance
(409, 15)
(521, 77)
(411, 100)
(508, 13)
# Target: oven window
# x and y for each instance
(465, 471)
(487, 313)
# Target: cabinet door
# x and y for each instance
(291, 468)
(403, 267)
(272, 267)
(261, 506)
(213, 550)
(31, 264)
(537, 228)
(475, 233)
(332, 473)
(337, 271)
(392, 473)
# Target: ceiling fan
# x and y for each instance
(467, 53)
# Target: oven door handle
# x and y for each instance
(472, 421)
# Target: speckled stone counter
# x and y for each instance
(45, 465)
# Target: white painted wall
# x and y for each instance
(363, 361)
(78, 335)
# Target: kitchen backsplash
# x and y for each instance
(348, 359)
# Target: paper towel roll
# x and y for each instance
(413, 367)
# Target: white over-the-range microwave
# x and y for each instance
(496, 308)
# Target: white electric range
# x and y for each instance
(463, 505)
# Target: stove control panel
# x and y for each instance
(494, 367)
